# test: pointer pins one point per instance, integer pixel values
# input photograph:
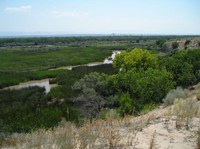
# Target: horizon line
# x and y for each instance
(54, 34)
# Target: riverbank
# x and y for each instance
(45, 82)
(107, 60)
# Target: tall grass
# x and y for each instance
(15, 59)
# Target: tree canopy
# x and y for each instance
(137, 58)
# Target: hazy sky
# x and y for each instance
(101, 16)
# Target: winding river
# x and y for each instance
(45, 82)
(107, 60)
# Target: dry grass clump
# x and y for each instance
(62, 137)
(88, 134)
(12, 140)
(185, 111)
(109, 133)
(186, 108)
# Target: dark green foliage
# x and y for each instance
(126, 104)
(182, 71)
(68, 78)
(184, 65)
(175, 45)
(187, 42)
(93, 89)
(141, 77)
(144, 86)
(11, 77)
(148, 107)
(192, 57)
(77, 40)
(160, 42)
(27, 109)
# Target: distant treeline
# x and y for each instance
(66, 40)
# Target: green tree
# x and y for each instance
(192, 57)
(181, 70)
(137, 58)
(126, 104)
(144, 86)
(160, 42)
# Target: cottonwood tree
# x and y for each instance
(144, 86)
(137, 58)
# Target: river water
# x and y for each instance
(41, 83)
(45, 82)
(107, 60)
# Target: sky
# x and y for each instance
(162, 17)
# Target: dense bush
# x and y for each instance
(126, 104)
(175, 45)
(94, 89)
(144, 86)
(182, 71)
(160, 42)
(143, 80)
(184, 65)
(13, 77)
(27, 109)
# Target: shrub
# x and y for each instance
(109, 113)
(144, 86)
(175, 45)
(147, 108)
(186, 108)
(173, 94)
(182, 71)
(187, 42)
(126, 105)
(160, 42)
(93, 89)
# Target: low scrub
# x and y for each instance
(174, 94)
(186, 108)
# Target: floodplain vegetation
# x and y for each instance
(90, 106)
(156, 129)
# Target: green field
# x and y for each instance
(31, 59)
(20, 64)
